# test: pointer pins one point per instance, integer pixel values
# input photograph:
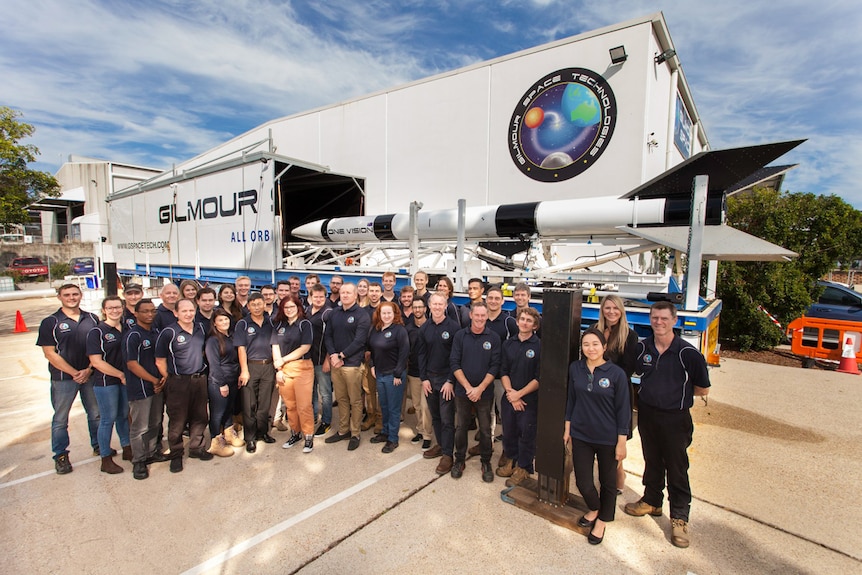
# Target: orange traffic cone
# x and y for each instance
(20, 326)
(848, 359)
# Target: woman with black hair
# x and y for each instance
(223, 383)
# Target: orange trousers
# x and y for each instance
(295, 392)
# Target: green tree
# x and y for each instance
(824, 230)
(20, 186)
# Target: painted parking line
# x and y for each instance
(43, 474)
(243, 546)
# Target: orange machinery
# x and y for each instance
(817, 338)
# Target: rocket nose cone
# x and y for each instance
(310, 231)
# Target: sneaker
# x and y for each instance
(445, 465)
(506, 470)
(176, 464)
(309, 444)
(416, 438)
(487, 474)
(322, 429)
(640, 508)
(336, 437)
(457, 469)
(62, 464)
(201, 454)
(353, 443)
(435, 451)
(518, 475)
(426, 444)
(679, 532)
(390, 447)
(293, 440)
(379, 438)
(139, 470)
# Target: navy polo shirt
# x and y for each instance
(520, 361)
(413, 337)
(503, 325)
(183, 350)
(318, 327)
(139, 345)
(254, 338)
(668, 380)
(390, 348)
(129, 318)
(598, 407)
(347, 332)
(224, 369)
(476, 354)
(106, 341)
(69, 338)
(164, 317)
(206, 322)
(435, 349)
(289, 337)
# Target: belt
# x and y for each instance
(190, 375)
(260, 361)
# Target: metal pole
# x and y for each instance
(414, 237)
(459, 248)
(695, 242)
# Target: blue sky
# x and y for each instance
(157, 82)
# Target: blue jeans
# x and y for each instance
(322, 384)
(113, 409)
(63, 395)
(519, 441)
(390, 396)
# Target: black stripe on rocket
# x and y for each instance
(513, 220)
(383, 227)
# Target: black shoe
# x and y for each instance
(426, 444)
(476, 437)
(62, 464)
(487, 473)
(251, 446)
(390, 447)
(322, 429)
(158, 457)
(334, 403)
(379, 438)
(176, 464)
(594, 539)
(457, 470)
(267, 438)
(473, 424)
(498, 438)
(139, 470)
(336, 437)
(203, 454)
(586, 523)
(416, 438)
(353, 443)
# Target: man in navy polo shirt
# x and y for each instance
(257, 374)
(144, 384)
(520, 406)
(345, 338)
(435, 371)
(132, 294)
(63, 339)
(167, 310)
(475, 363)
(503, 324)
(672, 373)
(180, 359)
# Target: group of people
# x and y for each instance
(240, 363)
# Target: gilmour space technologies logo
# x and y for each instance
(562, 124)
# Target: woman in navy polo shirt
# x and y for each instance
(223, 382)
(292, 336)
(597, 425)
(105, 349)
(390, 347)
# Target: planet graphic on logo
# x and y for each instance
(561, 126)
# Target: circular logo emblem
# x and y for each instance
(110, 337)
(64, 325)
(251, 330)
(181, 338)
(445, 335)
(486, 345)
(531, 353)
(387, 335)
(351, 319)
(604, 382)
(281, 331)
(648, 358)
(562, 124)
(146, 343)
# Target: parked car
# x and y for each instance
(29, 267)
(837, 302)
(82, 266)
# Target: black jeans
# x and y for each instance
(583, 456)
(519, 441)
(462, 426)
(186, 402)
(665, 437)
(442, 418)
(256, 396)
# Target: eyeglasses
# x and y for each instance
(113, 308)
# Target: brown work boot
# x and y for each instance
(506, 470)
(518, 475)
(108, 466)
(435, 451)
(219, 447)
(127, 453)
(504, 461)
(367, 424)
(679, 533)
(445, 465)
(231, 437)
(280, 425)
(640, 508)
(475, 450)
